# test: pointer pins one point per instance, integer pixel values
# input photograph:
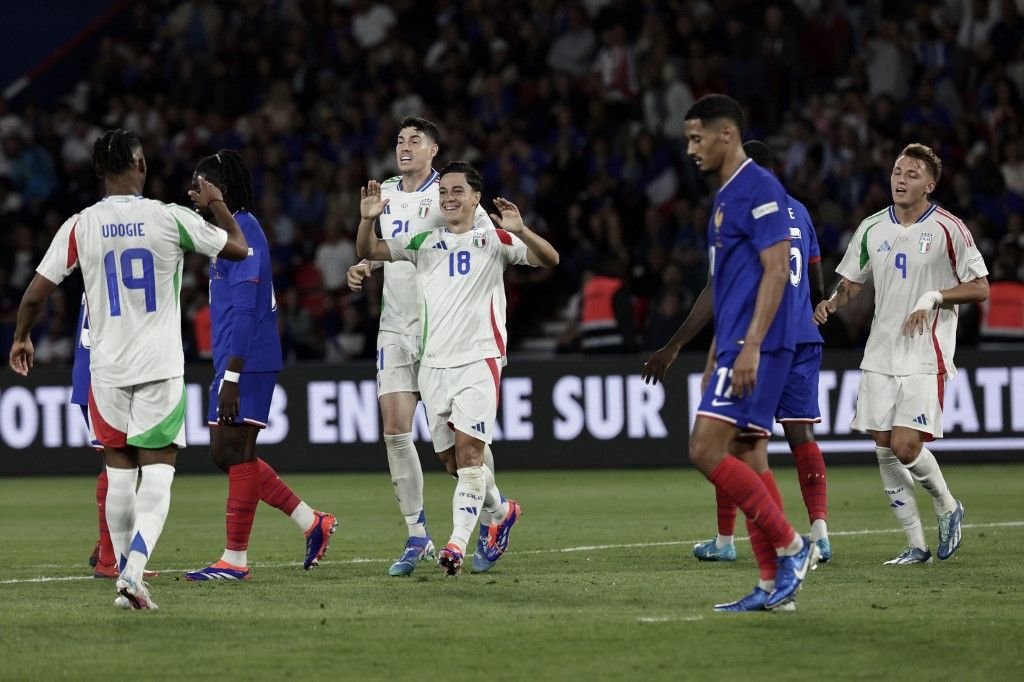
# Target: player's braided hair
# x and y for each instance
(114, 152)
(227, 170)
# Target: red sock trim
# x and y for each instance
(763, 551)
(274, 491)
(748, 491)
(810, 468)
(243, 498)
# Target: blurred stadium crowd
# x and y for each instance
(571, 108)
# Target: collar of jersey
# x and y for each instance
(734, 174)
(924, 216)
(434, 175)
(121, 196)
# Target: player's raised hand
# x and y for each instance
(370, 203)
(356, 274)
(203, 192)
(823, 310)
(510, 219)
(657, 365)
(22, 356)
(744, 371)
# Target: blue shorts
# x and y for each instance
(255, 393)
(751, 413)
(799, 401)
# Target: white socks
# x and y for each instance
(407, 480)
(303, 516)
(793, 548)
(723, 540)
(899, 488)
(925, 471)
(466, 503)
(819, 530)
(151, 504)
(121, 510)
(495, 508)
(236, 557)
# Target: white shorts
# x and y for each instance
(914, 402)
(463, 398)
(149, 415)
(398, 363)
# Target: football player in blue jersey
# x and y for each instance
(749, 251)
(798, 406)
(247, 358)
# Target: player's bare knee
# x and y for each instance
(906, 450)
(798, 433)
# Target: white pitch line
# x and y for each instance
(582, 548)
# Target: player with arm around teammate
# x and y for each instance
(247, 358)
(413, 207)
(130, 250)
(924, 262)
(460, 271)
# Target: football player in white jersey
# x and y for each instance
(460, 269)
(130, 250)
(924, 262)
(413, 207)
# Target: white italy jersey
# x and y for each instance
(462, 278)
(936, 252)
(409, 213)
(130, 250)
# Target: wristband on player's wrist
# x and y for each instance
(231, 376)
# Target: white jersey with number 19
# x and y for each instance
(130, 250)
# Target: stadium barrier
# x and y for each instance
(563, 413)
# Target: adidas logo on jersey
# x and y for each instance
(479, 427)
(470, 510)
(920, 419)
(886, 246)
(440, 245)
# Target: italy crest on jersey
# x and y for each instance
(425, 207)
(924, 243)
(479, 237)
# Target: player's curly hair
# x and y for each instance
(227, 170)
(114, 152)
(473, 177)
(925, 155)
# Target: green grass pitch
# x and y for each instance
(599, 583)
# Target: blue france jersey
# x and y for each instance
(232, 293)
(749, 216)
(803, 251)
(80, 369)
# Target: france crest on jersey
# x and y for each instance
(749, 215)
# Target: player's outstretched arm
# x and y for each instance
(843, 293)
(208, 196)
(32, 304)
(973, 291)
(656, 367)
(371, 206)
(539, 250)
